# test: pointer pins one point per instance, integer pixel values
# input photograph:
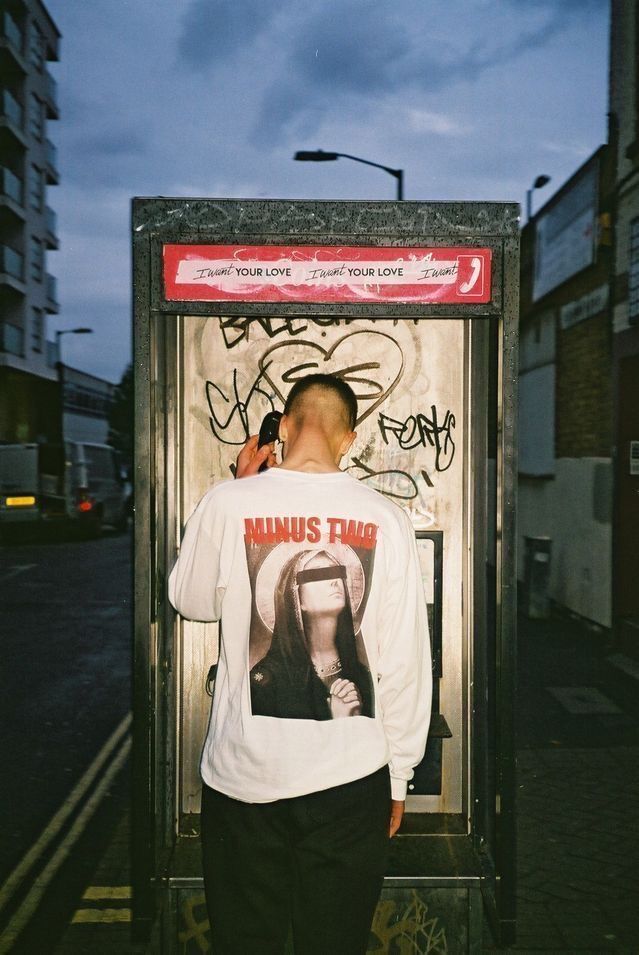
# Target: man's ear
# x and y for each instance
(347, 441)
(283, 429)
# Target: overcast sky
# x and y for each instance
(472, 98)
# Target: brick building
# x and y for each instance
(565, 454)
(624, 114)
(579, 365)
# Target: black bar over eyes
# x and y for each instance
(321, 573)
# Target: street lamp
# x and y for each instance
(318, 155)
(539, 183)
(58, 335)
(68, 331)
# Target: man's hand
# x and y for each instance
(396, 816)
(250, 458)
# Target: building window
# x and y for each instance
(36, 116)
(37, 329)
(85, 400)
(36, 47)
(36, 189)
(633, 273)
(37, 259)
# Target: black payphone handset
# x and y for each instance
(269, 431)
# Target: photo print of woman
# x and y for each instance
(307, 655)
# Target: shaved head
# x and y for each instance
(322, 399)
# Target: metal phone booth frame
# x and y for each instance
(415, 303)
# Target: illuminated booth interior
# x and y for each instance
(415, 305)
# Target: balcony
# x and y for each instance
(51, 231)
(11, 339)
(51, 163)
(11, 45)
(11, 122)
(11, 198)
(52, 306)
(51, 96)
(11, 110)
(11, 186)
(12, 268)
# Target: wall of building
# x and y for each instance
(584, 396)
(87, 400)
(574, 511)
(77, 427)
(30, 407)
(624, 113)
(29, 41)
(565, 430)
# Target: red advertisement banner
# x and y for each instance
(309, 273)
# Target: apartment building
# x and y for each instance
(29, 388)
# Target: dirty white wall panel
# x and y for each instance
(199, 646)
(573, 510)
(409, 446)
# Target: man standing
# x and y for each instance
(323, 688)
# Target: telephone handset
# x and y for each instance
(475, 265)
(269, 431)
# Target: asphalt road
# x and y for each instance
(65, 679)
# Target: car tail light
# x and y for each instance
(84, 503)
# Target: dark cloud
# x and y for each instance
(153, 115)
(214, 30)
(119, 142)
(562, 6)
(328, 53)
(350, 50)
(339, 52)
(105, 158)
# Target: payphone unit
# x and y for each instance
(415, 305)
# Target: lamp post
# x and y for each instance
(318, 155)
(68, 331)
(58, 335)
(539, 183)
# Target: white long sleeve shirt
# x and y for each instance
(285, 560)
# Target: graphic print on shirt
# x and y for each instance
(310, 580)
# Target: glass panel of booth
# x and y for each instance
(410, 379)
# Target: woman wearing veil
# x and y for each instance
(312, 669)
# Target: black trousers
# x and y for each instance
(314, 862)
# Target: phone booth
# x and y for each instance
(415, 305)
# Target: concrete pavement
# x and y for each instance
(578, 807)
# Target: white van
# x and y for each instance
(99, 495)
(33, 484)
(78, 482)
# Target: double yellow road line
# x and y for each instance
(114, 753)
(104, 893)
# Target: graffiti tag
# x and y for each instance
(419, 430)
(243, 410)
